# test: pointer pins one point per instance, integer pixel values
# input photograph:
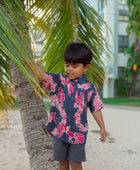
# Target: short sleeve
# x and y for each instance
(95, 103)
(51, 81)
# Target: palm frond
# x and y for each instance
(66, 21)
(15, 43)
(61, 22)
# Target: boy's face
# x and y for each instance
(75, 70)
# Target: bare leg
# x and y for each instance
(75, 165)
(64, 165)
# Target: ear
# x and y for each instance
(86, 67)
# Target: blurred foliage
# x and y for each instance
(132, 68)
(132, 61)
(122, 87)
(134, 18)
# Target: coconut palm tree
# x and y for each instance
(61, 22)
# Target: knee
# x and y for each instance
(64, 163)
(75, 165)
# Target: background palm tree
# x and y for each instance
(62, 22)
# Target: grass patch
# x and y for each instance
(14, 105)
(47, 105)
(122, 101)
(110, 101)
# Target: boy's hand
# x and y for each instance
(103, 135)
(99, 119)
(37, 70)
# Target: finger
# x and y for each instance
(103, 139)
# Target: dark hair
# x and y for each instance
(77, 53)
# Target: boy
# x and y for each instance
(71, 95)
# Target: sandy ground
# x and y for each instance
(121, 151)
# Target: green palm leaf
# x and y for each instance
(67, 21)
(61, 22)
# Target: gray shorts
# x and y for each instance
(66, 151)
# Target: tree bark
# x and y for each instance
(33, 116)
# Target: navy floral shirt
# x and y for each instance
(67, 120)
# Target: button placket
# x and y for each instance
(67, 124)
(71, 105)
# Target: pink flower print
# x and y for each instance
(46, 85)
(55, 132)
(82, 94)
(49, 83)
(77, 115)
(60, 134)
(54, 100)
(52, 118)
(53, 86)
(49, 79)
(75, 105)
(57, 105)
(89, 95)
(67, 129)
(63, 114)
(82, 128)
(60, 90)
(61, 96)
(97, 102)
(63, 80)
(78, 122)
(78, 98)
(70, 88)
(76, 142)
(84, 86)
(79, 137)
(71, 135)
(61, 127)
(79, 101)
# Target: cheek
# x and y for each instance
(78, 70)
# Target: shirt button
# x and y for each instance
(72, 98)
(68, 124)
(70, 111)
(74, 87)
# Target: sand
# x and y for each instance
(121, 151)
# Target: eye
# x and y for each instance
(67, 65)
(75, 66)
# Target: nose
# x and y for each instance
(70, 68)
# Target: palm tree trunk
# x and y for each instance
(33, 116)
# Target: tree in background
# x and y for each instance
(132, 69)
(61, 22)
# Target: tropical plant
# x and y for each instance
(61, 22)
(133, 65)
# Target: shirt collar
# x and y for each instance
(82, 79)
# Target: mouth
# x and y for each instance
(70, 75)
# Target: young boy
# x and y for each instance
(72, 94)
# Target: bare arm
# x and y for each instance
(37, 70)
(99, 119)
(40, 73)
